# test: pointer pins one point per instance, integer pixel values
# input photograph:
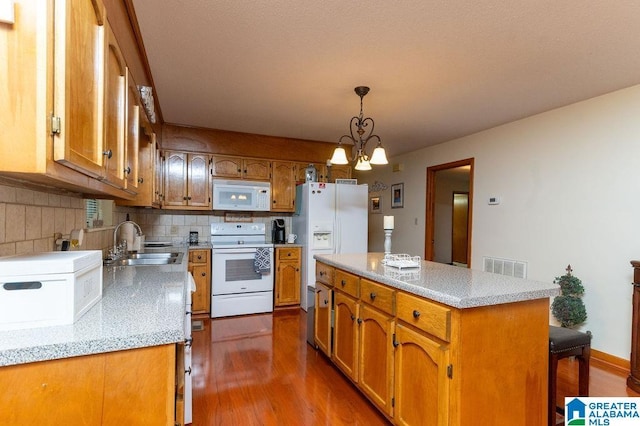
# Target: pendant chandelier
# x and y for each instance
(359, 139)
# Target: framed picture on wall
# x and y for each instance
(397, 196)
(375, 204)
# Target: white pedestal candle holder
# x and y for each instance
(387, 241)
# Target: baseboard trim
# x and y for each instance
(606, 361)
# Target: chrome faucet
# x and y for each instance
(118, 249)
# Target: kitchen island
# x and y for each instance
(437, 344)
(119, 363)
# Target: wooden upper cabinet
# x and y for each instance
(186, 181)
(301, 171)
(148, 164)
(79, 37)
(241, 168)
(114, 112)
(283, 186)
(256, 169)
(175, 179)
(339, 172)
(64, 78)
(230, 167)
(198, 188)
(132, 136)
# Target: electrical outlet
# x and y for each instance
(174, 230)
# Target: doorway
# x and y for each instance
(449, 213)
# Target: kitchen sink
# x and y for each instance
(137, 259)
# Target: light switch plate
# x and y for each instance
(494, 200)
(7, 14)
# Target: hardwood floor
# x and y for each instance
(259, 370)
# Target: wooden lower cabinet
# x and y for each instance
(376, 357)
(421, 382)
(287, 279)
(134, 387)
(322, 321)
(345, 334)
(422, 362)
(200, 267)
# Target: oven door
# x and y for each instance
(233, 271)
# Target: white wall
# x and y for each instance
(569, 180)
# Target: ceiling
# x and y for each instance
(437, 69)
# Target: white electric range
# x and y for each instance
(241, 269)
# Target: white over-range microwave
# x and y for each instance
(241, 195)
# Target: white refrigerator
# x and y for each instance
(329, 218)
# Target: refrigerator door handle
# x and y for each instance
(337, 241)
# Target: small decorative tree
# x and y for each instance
(568, 308)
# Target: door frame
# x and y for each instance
(430, 208)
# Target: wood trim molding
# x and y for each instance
(224, 142)
(605, 361)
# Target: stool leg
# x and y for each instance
(553, 371)
(583, 378)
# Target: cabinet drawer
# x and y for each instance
(425, 315)
(198, 256)
(324, 273)
(288, 253)
(377, 295)
(347, 283)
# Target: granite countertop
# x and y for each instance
(286, 245)
(454, 286)
(141, 306)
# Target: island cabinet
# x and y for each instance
(64, 76)
(287, 280)
(323, 308)
(376, 350)
(424, 362)
(200, 267)
(346, 326)
(135, 387)
(186, 181)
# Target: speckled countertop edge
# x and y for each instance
(451, 285)
(141, 306)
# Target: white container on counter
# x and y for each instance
(46, 289)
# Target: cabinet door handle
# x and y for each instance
(289, 254)
(188, 342)
(359, 320)
(343, 283)
(416, 314)
(140, 180)
(199, 257)
(204, 274)
(395, 343)
(321, 273)
(372, 296)
(188, 371)
(297, 269)
(108, 153)
(326, 302)
(352, 317)
(127, 170)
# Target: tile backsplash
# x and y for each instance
(29, 219)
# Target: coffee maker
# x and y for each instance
(278, 234)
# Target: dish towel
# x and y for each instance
(262, 260)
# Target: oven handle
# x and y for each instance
(236, 251)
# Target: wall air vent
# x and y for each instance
(511, 268)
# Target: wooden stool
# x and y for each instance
(563, 343)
